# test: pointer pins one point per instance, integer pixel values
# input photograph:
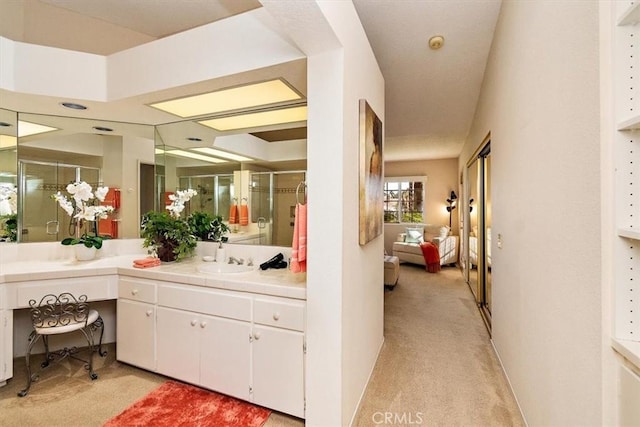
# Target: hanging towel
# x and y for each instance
(244, 214)
(233, 214)
(431, 257)
(299, 246)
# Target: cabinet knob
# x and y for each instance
(256, 335)
(134, 292)
(276, 316)
(149, 313)
(194, 322)
(203, 324)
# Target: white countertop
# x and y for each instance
(281, 282)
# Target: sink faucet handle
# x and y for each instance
(250, 262)
(240, 261)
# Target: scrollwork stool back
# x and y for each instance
(60, 314)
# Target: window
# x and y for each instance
(404, 199)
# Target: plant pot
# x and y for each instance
(165, 251)
(84, 253)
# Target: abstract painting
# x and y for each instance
(371, 174)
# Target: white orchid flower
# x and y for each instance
(64, 203)
(101, 193)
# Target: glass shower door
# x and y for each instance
(40, 218)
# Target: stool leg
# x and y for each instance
(33, 339)
(100, 324)
(88, 334)
(47, 354)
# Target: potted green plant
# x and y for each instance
(8, 228)
(207, 227)
(82, 207)
(167, 234)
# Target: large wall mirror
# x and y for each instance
(8, 175)
(258, 171)
(252, 167)
(54, 151)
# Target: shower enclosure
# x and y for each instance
(273, 201)
(40, 218)
(214, 193)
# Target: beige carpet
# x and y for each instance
(436, 368)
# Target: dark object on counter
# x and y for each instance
(279, 264)
(273, 262)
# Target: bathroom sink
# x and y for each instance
(218, 268)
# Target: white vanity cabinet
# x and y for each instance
(136, 322)
(243, 344)
(204, 338)
(6, 344)
(278, 348)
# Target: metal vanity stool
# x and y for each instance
(61, 314)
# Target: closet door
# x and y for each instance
(477, 257)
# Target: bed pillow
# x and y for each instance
(414, 235)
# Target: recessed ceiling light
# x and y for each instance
(103, 129)
(28, 128)
(223, 154)
(436, 42)
(5, 124)
(73, 105)
(231, 99)
(252, 120)
(196, 156)
(194, 139)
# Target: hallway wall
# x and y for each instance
(540, 101)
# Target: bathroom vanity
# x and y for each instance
(238, 333)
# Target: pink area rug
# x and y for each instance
(175, 404)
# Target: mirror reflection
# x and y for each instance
(8, 176)
(248, 179)
(55, 151)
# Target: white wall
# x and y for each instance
(540, 101)
(344, 280)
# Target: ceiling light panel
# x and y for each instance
(28, 128)
(236, 98)
(252, 120)
(196, 156)
(223, 154)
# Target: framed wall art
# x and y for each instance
(371, 174)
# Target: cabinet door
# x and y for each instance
(225, 356)
(278, 369)
(136, 334)
(178, 344)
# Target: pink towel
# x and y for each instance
(299, 246)
(146, 262)
(233, 214)
(244, 215)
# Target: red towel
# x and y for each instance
(146, 262)
(233, 214)
(299, 245)
(431, 257)
(244, 215)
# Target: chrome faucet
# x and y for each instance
(236, 260)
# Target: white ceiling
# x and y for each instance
(430, 95)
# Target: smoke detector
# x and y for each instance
(436, 42)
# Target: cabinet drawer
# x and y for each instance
(205, 301)
(95, 288)
(281, 314)
(137, 290)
